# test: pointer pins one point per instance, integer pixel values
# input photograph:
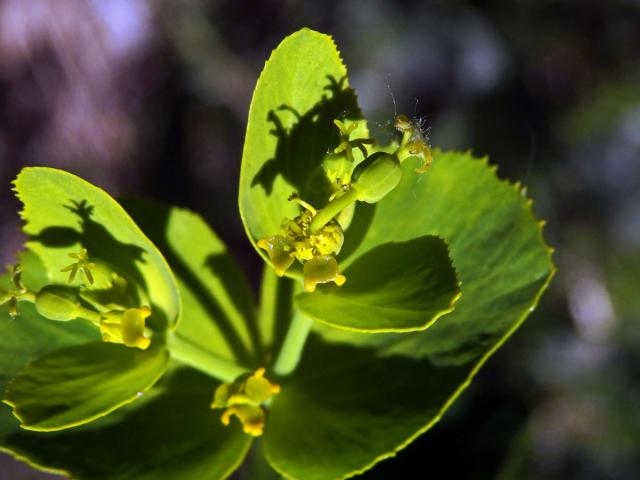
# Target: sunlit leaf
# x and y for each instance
(301, 90)
(64, 213)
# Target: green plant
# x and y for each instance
(385, 290)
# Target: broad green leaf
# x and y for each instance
(218, 313)
(78, 384)
(301, 90)
(64, 213)
(348, 407)
(170, 433)
(493, 238)
(402, 286)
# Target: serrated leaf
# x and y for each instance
(395, 287)
(169, 433)
(218, 312)
(351, 405)
(75, 385)
(301, 90)
(65, 213)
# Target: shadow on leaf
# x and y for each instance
(124, 259)
(304, 139)
(153, 218)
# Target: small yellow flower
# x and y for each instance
(279, 251)
(126, 327)
(322, 269)
(242, 398)
(298, 242)
(251, 417)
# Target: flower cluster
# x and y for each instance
(117, 323)
(242, 398)
(314, 238)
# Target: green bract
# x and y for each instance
(391, 275)
(63, 214)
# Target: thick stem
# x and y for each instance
(293, 344)
(195, 356)
(333, 208)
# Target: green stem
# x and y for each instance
(197, 357)
(93, 317)
(267, 310)
(333, 208)
(406, 136)
(293, 344)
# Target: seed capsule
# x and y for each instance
(53, 302)
(376, 176)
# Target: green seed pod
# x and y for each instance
(55, 303)
(376, 176)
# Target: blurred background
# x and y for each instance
(147, 97)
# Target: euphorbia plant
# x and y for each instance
(391, 274)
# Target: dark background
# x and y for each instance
(151, 97)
